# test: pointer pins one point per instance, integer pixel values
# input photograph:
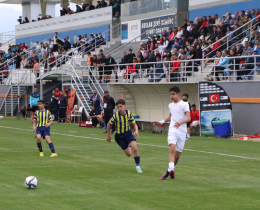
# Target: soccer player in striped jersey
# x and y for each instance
(124, 136)
(41, 125)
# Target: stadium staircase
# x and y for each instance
(13, 95)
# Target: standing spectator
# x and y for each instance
(55, 105)
(34, 98)
(110, 62)
(101, 63)
(18, 60)
(131, 55)
(175, 70)
(95, 101)
(55, 42)
(58, 93)
(36, 68)
(99, 5)
(109, 105)
(62, 107)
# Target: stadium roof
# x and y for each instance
(37, 1)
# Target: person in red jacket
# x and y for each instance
(175, 70)
(195, 117)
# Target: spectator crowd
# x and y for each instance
(207, 37)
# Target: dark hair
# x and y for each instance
(176, 89)
(185, 94)
(120, 101)
(35, 87)
(41, 101)
(193, 105)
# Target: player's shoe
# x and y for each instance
(41, 154)
(54, 155)
(172, 174)
(139, 170)
(187, 138)
(165, 175)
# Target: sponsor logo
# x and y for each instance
(91, 16)
(214, 98)
(203, 98)
(223, 97)
(84, 18)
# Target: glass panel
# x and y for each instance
(146, 6)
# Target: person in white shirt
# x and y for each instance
(50, 43)
(179, 33)
(38, 46)
(179, 116)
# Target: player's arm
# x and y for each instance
(34, 126)
(187, 119)
(159, 123)
(50, 121)
(136, 133)
(34, 122)
(108, 132)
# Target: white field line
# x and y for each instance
(151, 145)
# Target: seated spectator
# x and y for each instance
(95, 117)
(247, 66)
(70, 11)
(257, 68)
(256, 46)
(103, 3)
(52, 60)
(66, 44)
(91, 7)
(224, 62)
(246, 48)
(78, 9)
(99, 5)
(157, 70)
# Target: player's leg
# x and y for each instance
(48, 140)
(188, 130)
(39, 144)
(172, 139)
(179, 147)
(133, 145)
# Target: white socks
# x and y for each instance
(171, 166)
(188, 135)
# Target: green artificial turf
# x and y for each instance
(90, 173)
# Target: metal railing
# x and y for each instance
(26, 53)
(6, 36)
(235, 39)
(180, 71)
(90, 45)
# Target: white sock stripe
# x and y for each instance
(151, 145)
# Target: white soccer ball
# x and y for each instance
(245, 138)
(31, 182)
(1, 117)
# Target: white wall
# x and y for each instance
(198, 2)
(26, 11)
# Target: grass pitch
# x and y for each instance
(90, 173)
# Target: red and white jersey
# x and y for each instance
(178, 113)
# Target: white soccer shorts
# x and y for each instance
(178, 138)
(195, 123)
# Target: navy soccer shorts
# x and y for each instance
(124, 139)
(43, 131)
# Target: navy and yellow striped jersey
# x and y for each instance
(42, 117)
(121, 122)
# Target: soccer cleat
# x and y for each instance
(165, 175)
(41, 154)
(139, 170)
(54, 155)
(187, 138)
(172, 174)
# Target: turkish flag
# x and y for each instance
(214, 98)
